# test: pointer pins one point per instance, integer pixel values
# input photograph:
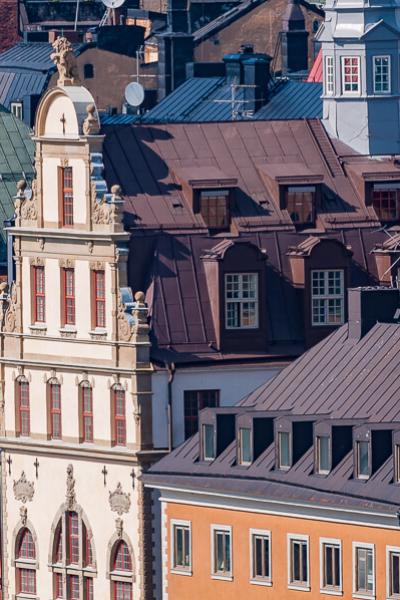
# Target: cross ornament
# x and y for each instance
(36, 465)
(105, 473)
(133, 478)
(9, 461)
(63, 120)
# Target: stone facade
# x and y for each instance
(75, 379)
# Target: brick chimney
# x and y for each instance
(9, 24)
(368, 306)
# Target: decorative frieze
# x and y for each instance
(66, 263)
(120, 502)
(23, 489)
(25, 208)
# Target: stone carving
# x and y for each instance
(25, 209)
(36, 262)
(41, 242)
(106, 210)
(11, 313)
(91, 125)
(66, 263)
(124, 328)
(140, 310)
(65, 61)
(23, 489)
(119, 526)
(119, 501)
(70, 494)
(96, 265)
(90, 247)
(23, 514)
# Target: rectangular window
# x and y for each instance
(122, 590)
(260, 564)
(386, 201)
(87, 413)
(17, 109)
(88, 583)
(331, 567)
(27, 581)
(73, 587)
(194, 401)
(99, 299)
(396, 457)
(393, 570)
(208, 442)
(67, 196)
(69, 296)
(362, 460)
(181, 551)
(55, 410)
(119, 417)
(58, 585)
(284, 450)
(298, 561)
(214, 208)
(329, 76)
(241, 301)
(300, 201)
(73, 530)
(363, 557)
(222, 551)
(23, 408)
(327, 297)
(381, 74)
(39, 298)
(323, 454)
(351, 75)
(246, 454)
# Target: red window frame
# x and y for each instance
(69, 296)
(88, 556)
(122, 590)
(26, 545)
(119, 412)
(58, 545)
(99, 298)
(194, 401)
(73, 592)
(386, 203)
(88, 583)
(55, 410)
(122, 557)
(58, 586)
(73, 538)
(39, 295)
(87, 413)
(24, 408)
(67, 195)
(26, 581)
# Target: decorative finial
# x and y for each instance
(65, 61)
(139, 297)
(91, 125)
(21, 187)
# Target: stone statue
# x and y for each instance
(91, 125)
(65, 61)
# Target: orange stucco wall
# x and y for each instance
(200, 586)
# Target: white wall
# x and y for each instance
(233, 383)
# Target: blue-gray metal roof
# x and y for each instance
(14, 85)
(28, 55)
(295, 100)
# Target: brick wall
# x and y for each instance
(8, 24)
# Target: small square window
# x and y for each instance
(208, 442)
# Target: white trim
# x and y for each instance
(342, 67)
(325, 297)
(297, 537)
(245, 463)
(367, 546)
(241, 300)
(388, 91)
(267, 534)
(337, 591)
(329, 69)
(229, 574)
(173, 568)
(389, 551)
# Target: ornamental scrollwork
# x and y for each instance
(25, 209)
(120, 502)
(10, 320)
(70, 493)
(23, 489)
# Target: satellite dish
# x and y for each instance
(113, 3)
(134, 93)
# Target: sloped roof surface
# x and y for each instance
(316, 74)
(28, 55)
(14, 85)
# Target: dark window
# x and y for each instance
(386, 201)
(394, 573)
(362, 460)
(214, 208)
(194, 401)
(300, 204)
(245, 445)
(88, 71)
(323, 454)
(331, 566)
(208, 442)
(299, 562)
(284, 451)
(261, 556)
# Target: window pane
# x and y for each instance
(245, 445)
(208, 442)
(241, 300)
(300, 205)
(323, 454)
(363, 470)
(214, 208)
(194, 401)
(284, 449)
(327, 304)
(260, 556)
(395, 573)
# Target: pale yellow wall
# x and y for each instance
(50, 189)
(54, 126)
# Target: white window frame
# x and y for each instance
(241, 301)
(297, 537)
(358, 445)
(267, 581)
(173, 568)
(280, 466)
(203, 442)
(390, 550)
(382, 56)
(17, 109)
(326, 297)
(325, 589)
(357, 594)
(318, 454)
(356, 92)
(241, 461)
(396, 460)
(226, 529)
(329, 70)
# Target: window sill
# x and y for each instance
(68, 331)
(187, 573)
(23, 595)
(331, 592)
(364, 596)
(38, 328)
(299, 587)
(98, 333)
(25, 563)
(222, 577)
(267, 582)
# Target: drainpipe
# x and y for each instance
(171, 374)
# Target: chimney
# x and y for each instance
(178, 16)
(9, 24)
(294, 40)
(256, 74)
(175, 50)
(368, 306)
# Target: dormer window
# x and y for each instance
(323, 455)
(241, 300)
(351, 75)
(362, 460)
(329, 76)
(214, 208)
(245, 449)
(397, 463)
(300, 202)
(284, 450)
(208, 442)
(327, 297)
(386, 201)
(381, 74)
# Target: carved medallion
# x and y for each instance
(23, 489)
(119, 501)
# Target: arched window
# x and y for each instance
(88, 71)
(86, 412)
(22, 407)
(118, 416)
(72, 534)
(121, 572)
(54, 409)
(25, 562)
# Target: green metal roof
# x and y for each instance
(16, 162)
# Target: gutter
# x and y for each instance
(171, 374)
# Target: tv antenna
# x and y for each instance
(237, 104)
